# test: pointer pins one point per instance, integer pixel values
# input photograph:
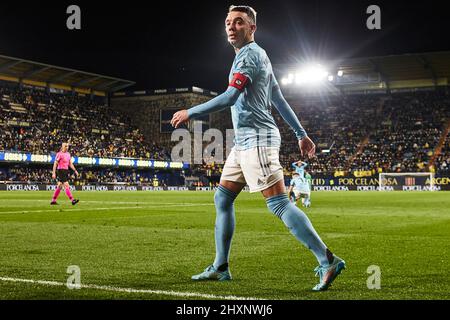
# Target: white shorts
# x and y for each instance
(259, 167)
(299, 193)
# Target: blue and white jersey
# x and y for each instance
(253, 123)
(300, 184)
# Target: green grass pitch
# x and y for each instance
(157, 240)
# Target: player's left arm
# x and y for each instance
(305, 143)
(291, 187)
(73, 167)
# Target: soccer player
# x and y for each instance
(61, 166)
(299, 189)
(300, 185)
(254, 159)
(299, 167)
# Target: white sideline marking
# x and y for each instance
(129, 290)
(67, 209)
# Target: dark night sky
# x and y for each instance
(184, 43)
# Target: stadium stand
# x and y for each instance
(357, 133)
(38, 122)
(390, 133)
(377, 133)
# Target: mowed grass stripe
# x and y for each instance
(68, 209)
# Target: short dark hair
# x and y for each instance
(246, 9)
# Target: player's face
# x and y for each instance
(239, 29)
(65, 147)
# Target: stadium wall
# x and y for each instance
(441, 183)
(350, 183)
(109, 187)
(29, 158)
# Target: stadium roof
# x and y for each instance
(401, 67)
(29, 70)
(433, 67)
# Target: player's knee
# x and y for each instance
(278, 204)
(224, 198)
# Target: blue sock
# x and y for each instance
(299, 225)
(225, 221)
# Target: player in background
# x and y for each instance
(300, 189)
(63, 162)
(299, 167)
(300, 185)
(254, 159)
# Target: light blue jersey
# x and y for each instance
(250, 96)
(300, 184)
(300, 169)
(253, 123)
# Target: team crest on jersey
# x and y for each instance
(241, 64)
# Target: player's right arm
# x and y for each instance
(247, 66)
(55, 165)
(225, 100)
